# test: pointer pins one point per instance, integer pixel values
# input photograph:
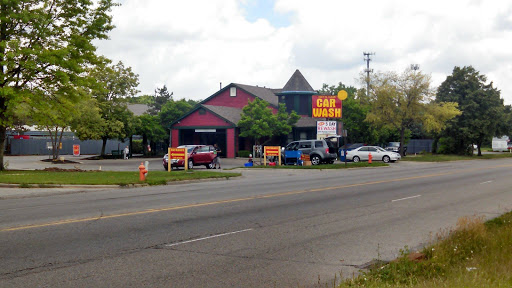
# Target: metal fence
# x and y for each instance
(39, 146)
(419, 145)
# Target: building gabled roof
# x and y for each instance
(231, 114)
(308, 121)
(263, 93)
(138, 109)
(297, 83)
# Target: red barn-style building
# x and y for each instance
(215, 119)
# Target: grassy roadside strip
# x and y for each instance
(337, 165)
(442, 158)
(48, 178)
(474, 254)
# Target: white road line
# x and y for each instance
(486, 182)
(406, 198)
(209, 237)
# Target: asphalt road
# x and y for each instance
(269, 228)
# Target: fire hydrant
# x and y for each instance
(370, 158)
(142, 172)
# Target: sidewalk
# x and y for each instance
(12, 191)
(132, 164)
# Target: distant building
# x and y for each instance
(214, 120)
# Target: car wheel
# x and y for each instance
(315, 160)
(210, 165)
(356, 159)
(190, 164)
(386, 159)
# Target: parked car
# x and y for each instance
(319, 151)
(378, 154)
(395, 147)
(197, 155)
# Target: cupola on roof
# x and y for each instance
(297, 83)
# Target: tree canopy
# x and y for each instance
(258, 121)
(483, 112)
(399, 101)
(45, 46)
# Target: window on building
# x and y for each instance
(232, 91)
(303, 136)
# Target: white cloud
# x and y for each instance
(191, 46)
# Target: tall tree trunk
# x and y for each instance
(103, 145)
(3, 135)
(402, 140)
(145, 144)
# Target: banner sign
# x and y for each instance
(177, 153)
(326, 127)
(326, 106)
(76, 150)
(272, 150)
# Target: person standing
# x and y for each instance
(216, 160)
(126, 152)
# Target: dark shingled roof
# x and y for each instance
(231, 114)
(308, 122)
(138, 109)
(266, 94)
(297, 83)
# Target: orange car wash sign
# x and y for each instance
(326, 106)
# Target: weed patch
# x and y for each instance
(473, 254)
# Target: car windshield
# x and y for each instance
(189, 148)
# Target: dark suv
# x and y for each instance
(319, 151)
(395, 147)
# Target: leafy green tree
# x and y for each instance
(399, 101)
(161, 97)
(172, 110)
(258, 121)
(151, 130)
(46, 43)
(115, 84)
(483, 113)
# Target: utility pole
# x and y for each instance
(368, 71)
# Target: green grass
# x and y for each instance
(338, 165)
(474, 254)
(47, 178)
(442, 158)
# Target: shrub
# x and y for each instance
(244, 153)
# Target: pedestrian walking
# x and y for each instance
(216, 160)
(126, 152)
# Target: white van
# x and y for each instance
(500, 144)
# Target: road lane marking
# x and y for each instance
(165, 209)
(486, 182)
(406, 198)
(209, 237)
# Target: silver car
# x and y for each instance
(378, 154)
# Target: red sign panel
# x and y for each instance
(177, 153)
(76, 150)
(326, 106)
(272, 150)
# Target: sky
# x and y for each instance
(194, 46)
